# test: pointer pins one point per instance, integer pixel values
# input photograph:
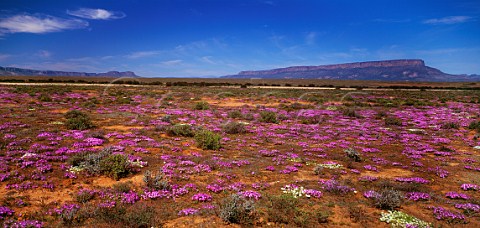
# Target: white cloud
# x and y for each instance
(44, 54)
(58, 66)
(310, 38)
(4, 57)
(383, 20)
(207, 59)
(448, 20)
(107, 57)
(142, 54)
(441, 51)
(24, 23)
(172, 62)
(272, 3)
(96, 14)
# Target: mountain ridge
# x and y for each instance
(15, 71)
(383, 70)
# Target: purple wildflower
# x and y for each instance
(187, 211)
(202, 197)
(251, 194)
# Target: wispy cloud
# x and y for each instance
(207, 59)
(4, 57)
(310, 38)
(25, 23)
(142, 54)
(441, 51)
(96, 14)
(44, 54)
(171, 62)
(448, 20)
(384, 20)
(60, 66)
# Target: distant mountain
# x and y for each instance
(388, 70)
(13, 71)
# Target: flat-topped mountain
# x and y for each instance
(388, 70)
(13, 71)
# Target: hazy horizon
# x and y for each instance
(215, 38)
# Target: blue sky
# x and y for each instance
(172, 38)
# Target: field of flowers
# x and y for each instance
(201, 156)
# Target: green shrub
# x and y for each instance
(202, 105)
(123, 100)
(350, 112)
(122, 187)
(226, 94)
(388, 199)
(84, 197)
(156, 182)
(322, 216)
(45, 98)
(249, 116)
(353, 154)
(180, 130)
(235, 209)
(77, 159)
(115, 166)
(89, 161)
(282, 208)
(208, 140)
(77, 120)
(103, 162)
(234, 128)
(139, 216)
(450, 125)
(474, 125)
(111, 215)
(318, 170)
(380, 115)
(235, 114)
(393, 121)
(268, 117)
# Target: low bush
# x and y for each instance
(103, 162)
(202, 105)
(115, 166)
(356, 213)
(350, 112)
(353, 154)
(235, 114)
(111, 215)
(77, 120)
(122, 187)
(282, 208)
(234, 128)
(89, 161)
(208, 140)
(180, 130)
(236, 209)
(474, 125)
(285, 209)
(268, 117)
(319, 170)
(85, 196)
(388, 199)
(45, 98)
(156, 182)
(139, 215)
(393, 121)
(450, 125)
